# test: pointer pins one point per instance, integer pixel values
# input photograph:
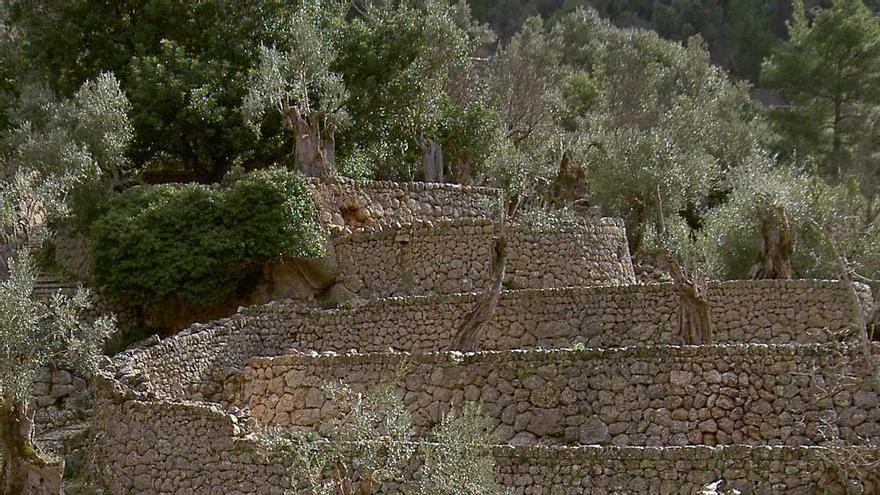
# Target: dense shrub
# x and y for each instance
(156, 244)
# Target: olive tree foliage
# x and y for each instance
(298, 84)
(772, 204)
(663, 117)
(372, 444)
(86, 134)
(54, 146)
(526, 93)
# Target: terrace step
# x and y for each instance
(769, 311)
(750, 470)
(450, 256)
(48, 285)
(750, 394)
(176, 460)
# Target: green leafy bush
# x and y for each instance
(157, 244)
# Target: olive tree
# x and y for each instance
(54, 146)
(765, 228)
(525, 87)
(183, 64)
(297, 83)
(527, 154)
(372, 443)
(678, 251)
(663, 116)
(756, 231)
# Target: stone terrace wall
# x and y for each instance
(764, 311)
(356, 203)
(59, 396)
(149, 447)
(449, 257)
(644, 396)
(667, 471)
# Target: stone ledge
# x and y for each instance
(646, 353)
(147, 439)
(441, 225)
(405, 186)
(753, 394)
(715, 288)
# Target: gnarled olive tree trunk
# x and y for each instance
(469, 331)
(25, 470)
(432, 159)
(314, 149)
(777, 244)
(694, 318)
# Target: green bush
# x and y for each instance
(157, 244)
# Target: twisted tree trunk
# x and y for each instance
(432, 159)
(314, 150)
(694, 319)
(25, 470)
(469, 331)
(777, 244)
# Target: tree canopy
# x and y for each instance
(830, 72)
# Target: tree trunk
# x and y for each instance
(777, 245)
(462, 173)
(314, 149)
(432, 159)
(569, 184)
(874, 324)
(694, 319)
(328, 149)
(469, 331)
(837, 142)
(25, 470)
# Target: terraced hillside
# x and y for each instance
(581, 371)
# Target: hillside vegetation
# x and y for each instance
(174, 138)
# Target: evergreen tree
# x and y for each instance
(830, 72)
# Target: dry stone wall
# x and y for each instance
(751, 394)
(449, 257)
(59, 396)
(165, 447)
(162, 447)
(353, 204)
(764, 311)
(668, 471)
